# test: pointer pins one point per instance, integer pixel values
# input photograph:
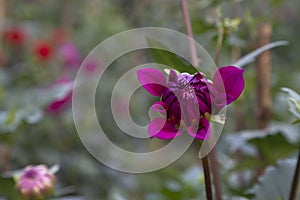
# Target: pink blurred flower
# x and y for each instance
(35, 182)
(63, 95)
(91, 66)
(70, 55)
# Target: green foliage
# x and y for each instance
(250, 57)
(255, 150)
(293, 103)
(259, 144)
(8, 189)
(35, 136)
(276, 182)
(167, 57)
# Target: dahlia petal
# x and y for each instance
(172, 76)
(153, 80)
(232, 79)
(163, 129)
(200, 131)
(160, 107)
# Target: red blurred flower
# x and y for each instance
(14, 36)
(43, 51)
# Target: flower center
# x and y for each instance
(186, 91)
(31, 174)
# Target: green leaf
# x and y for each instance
(9, 121)
(250, 57)
(266, 148)
(250, 143)
(291, 93)
(276, 181)
(163, 55)
(10, 117)
(297, 121)
(293, 102)
(7, 189)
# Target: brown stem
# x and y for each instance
(263, 74)
(216, 174)
(5, 158)
(295, 180)
(263, 85)
(213, 154)
(2, 15)
(189, 32)
(195, 63)
(207, 178)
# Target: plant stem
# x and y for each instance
(213, 153)
(219, 45)
(189, 32)
(295, 180)
(215, 173)
(195, 63)
(207, 178)
(5, 158)
(263, 78)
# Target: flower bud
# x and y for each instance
(35, 182)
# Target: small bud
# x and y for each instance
(35, 182)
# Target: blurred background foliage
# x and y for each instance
(43, 43)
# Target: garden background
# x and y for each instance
(43, 43)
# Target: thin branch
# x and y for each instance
(189, 32)
(213, 153)
(195, 63)
(219, 45)
(216, 174)
(295, 183)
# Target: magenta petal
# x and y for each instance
(160, 107)
(233, 80)
(163, 129)
(153, 80)
(200, 132)
(172, 76)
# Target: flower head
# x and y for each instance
(70, 54)
(64, 87)
(35, 182)
(43, 51)
(189, 100)
(14, 36)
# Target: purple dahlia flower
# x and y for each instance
(35, 182)
(189, 100)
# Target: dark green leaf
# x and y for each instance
(276, 181)
(297, 121)
(8, 190)
(163, 55)
(273, 147)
